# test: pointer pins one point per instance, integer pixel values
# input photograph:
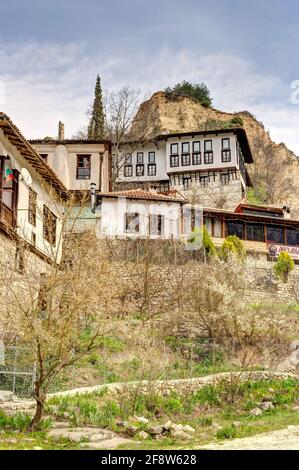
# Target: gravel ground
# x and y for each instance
(283, 439)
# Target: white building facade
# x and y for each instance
(206, 166)
(31, 196)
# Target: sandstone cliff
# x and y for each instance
(274, 162)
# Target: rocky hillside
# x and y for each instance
(276, 168)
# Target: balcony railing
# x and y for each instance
(6, 215)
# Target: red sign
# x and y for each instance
(274, 250)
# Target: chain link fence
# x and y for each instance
(17, 370)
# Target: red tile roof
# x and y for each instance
(146, 195)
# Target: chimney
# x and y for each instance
(286, 212)
(60, 131)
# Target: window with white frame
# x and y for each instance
(128, 170)
(225, 151)
(139, 170)
(151, 157)
(196, 154)
(151, 169)
(174, 161)
(174, 149)
(140, 158)
(208, 152)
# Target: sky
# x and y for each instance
(245, 52)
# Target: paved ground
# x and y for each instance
(284, 439)
(88, 437)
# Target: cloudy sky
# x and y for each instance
(246, 53)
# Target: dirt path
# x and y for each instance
(283, 439)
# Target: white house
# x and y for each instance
(139, 213)
(203, 164)
(77, 162)
(31, 195)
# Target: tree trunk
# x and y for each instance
(40, 403)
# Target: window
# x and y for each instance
(204, 180)
(225, 152)
(156, 224)
(49, 225)
(132, 223)
(128, 170)
(33, 239)
(139, 170)
(32, 207)
(292, 236)
(20, 258)
(83, 167)
(187, 183)
(174, 149)
(151, 169)
(186, 159)
(208, 146)
(151, 157)
(224, 178)
(140, 158)
(235, 228)
(226, 144)
(174, 160)
(196, 147)
(208, 154)
(185, 147)
(255, 232)
(128, 159)
(44, 156)
(275, 234)
(196, 159)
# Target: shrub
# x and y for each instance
(283, 266)
(233, 246)
(208, 243)
(227, 432)
(197, 91)
(237, 121)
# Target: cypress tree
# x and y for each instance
(96, 122)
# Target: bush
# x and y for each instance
(232, 245)
(227, 432)
(197, 91)
(283, 266)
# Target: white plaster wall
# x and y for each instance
(216, 146)
(45, 195)
(113, 212)
(63, 159)
(161, 173)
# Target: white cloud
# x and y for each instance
(48, 82)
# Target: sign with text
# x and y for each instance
(274, 250)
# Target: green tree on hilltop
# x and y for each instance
(196, 91)
(96, 122)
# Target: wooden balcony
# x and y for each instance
(6, 215)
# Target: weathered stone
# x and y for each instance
(167, 425)
(256, 412)
(268, 398)
(154, 430)
(216, 426)
(294, 345)
(131, 430)
(143, 435)
(180, 435)
(267, 405)
(188, 428)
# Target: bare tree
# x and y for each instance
(59, 315)
(271, 173)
